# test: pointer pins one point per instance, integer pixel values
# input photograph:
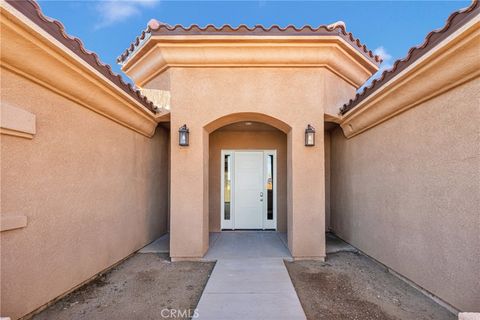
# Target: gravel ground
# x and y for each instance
(145, 286)
(352, 286)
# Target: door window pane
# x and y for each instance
(227, 186)
(270, 188)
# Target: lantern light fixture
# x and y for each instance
(183, 136)
(309, 136)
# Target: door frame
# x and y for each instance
(230, 224)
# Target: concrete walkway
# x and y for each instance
(334, 244)
(250, 280)
(161, 245)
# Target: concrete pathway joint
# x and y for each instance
(250, 280)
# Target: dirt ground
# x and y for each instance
(145, 286)
(352, 286)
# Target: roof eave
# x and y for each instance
(32, 12)
(159, 29)
(160, 52)
(411, 88)
(454, 22)
(55, 67)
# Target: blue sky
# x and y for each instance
(389, 27)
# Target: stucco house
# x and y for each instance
(236, 128)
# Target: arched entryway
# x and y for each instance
(248, 177)
(248, 172)
(196, 203)
(196, 184)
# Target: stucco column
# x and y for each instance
(306, 194)
(189, 195)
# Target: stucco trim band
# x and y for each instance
(36, 55)
(453, 62)
(327, 117)
(247, 51)
(12, 222)
(17, 122)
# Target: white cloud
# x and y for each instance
(387, 63)
(380, 51)
(115, 11)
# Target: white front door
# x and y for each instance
(249, 189)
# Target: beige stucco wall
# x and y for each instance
(328, 140)
(236, 140)
(202, 96)
(93, 192)
(336, 93)
(407, 192)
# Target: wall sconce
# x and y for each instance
(310, 136)
(183, 134)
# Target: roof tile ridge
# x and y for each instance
(77, 43)
(338, 26)
(138, 39)
(402, 61)
(357, 42)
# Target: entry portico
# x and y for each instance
(282, 79)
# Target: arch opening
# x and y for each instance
(247, 117)
(236, 142)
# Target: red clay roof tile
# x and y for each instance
(32, 11)
(454, 22)
(156, 28)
